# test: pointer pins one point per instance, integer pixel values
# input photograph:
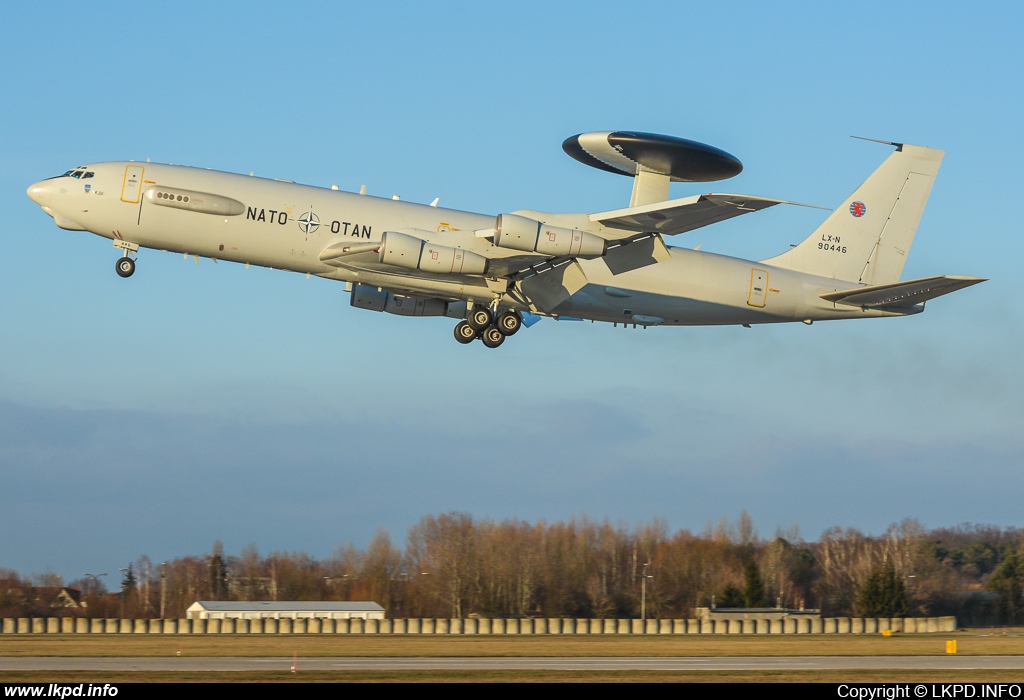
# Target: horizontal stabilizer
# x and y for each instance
(682, 215)
(901, 294)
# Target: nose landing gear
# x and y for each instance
(125, 266)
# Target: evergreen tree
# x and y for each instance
(894, 593)
(218, 573)
(1008, 581)
(869, 600)
(732, 597)
(753, 587)
(883, 594)
(129, 583)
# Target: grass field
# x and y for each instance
(896, 676)
(968, 643)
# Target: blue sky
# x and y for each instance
(194, 403)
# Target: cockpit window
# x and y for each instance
(79, 173)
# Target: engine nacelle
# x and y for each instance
(520, 233)
(415, 253)
(366, 297)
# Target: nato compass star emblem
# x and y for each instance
(309, 222)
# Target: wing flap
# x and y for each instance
(681, 215)
(902, 294)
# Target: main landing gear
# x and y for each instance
(482, 324)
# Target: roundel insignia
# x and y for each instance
(309, 222)
(858, 209)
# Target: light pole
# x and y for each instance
(95, 581)
(163, 588)
(94, 586)
(643, 593)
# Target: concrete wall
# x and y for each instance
(831, 625)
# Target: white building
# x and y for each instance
(284, 609)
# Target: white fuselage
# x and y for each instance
(286, 226)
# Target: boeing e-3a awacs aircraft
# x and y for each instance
(613, 266)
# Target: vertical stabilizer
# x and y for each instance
(867, 239)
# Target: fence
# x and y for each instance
(427, 626)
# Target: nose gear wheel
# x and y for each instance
(125, 266)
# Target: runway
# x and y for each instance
(727, 663)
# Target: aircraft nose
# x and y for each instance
(40, 193)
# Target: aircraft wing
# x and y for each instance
(682, 215)
(901, 294)
(502, 262)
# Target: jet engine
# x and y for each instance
(366, 297)
(415, 253)
(520, 233)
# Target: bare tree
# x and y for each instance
(445, 548)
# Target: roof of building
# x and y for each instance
(287, 605)
(791, 611)
(55, 592)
